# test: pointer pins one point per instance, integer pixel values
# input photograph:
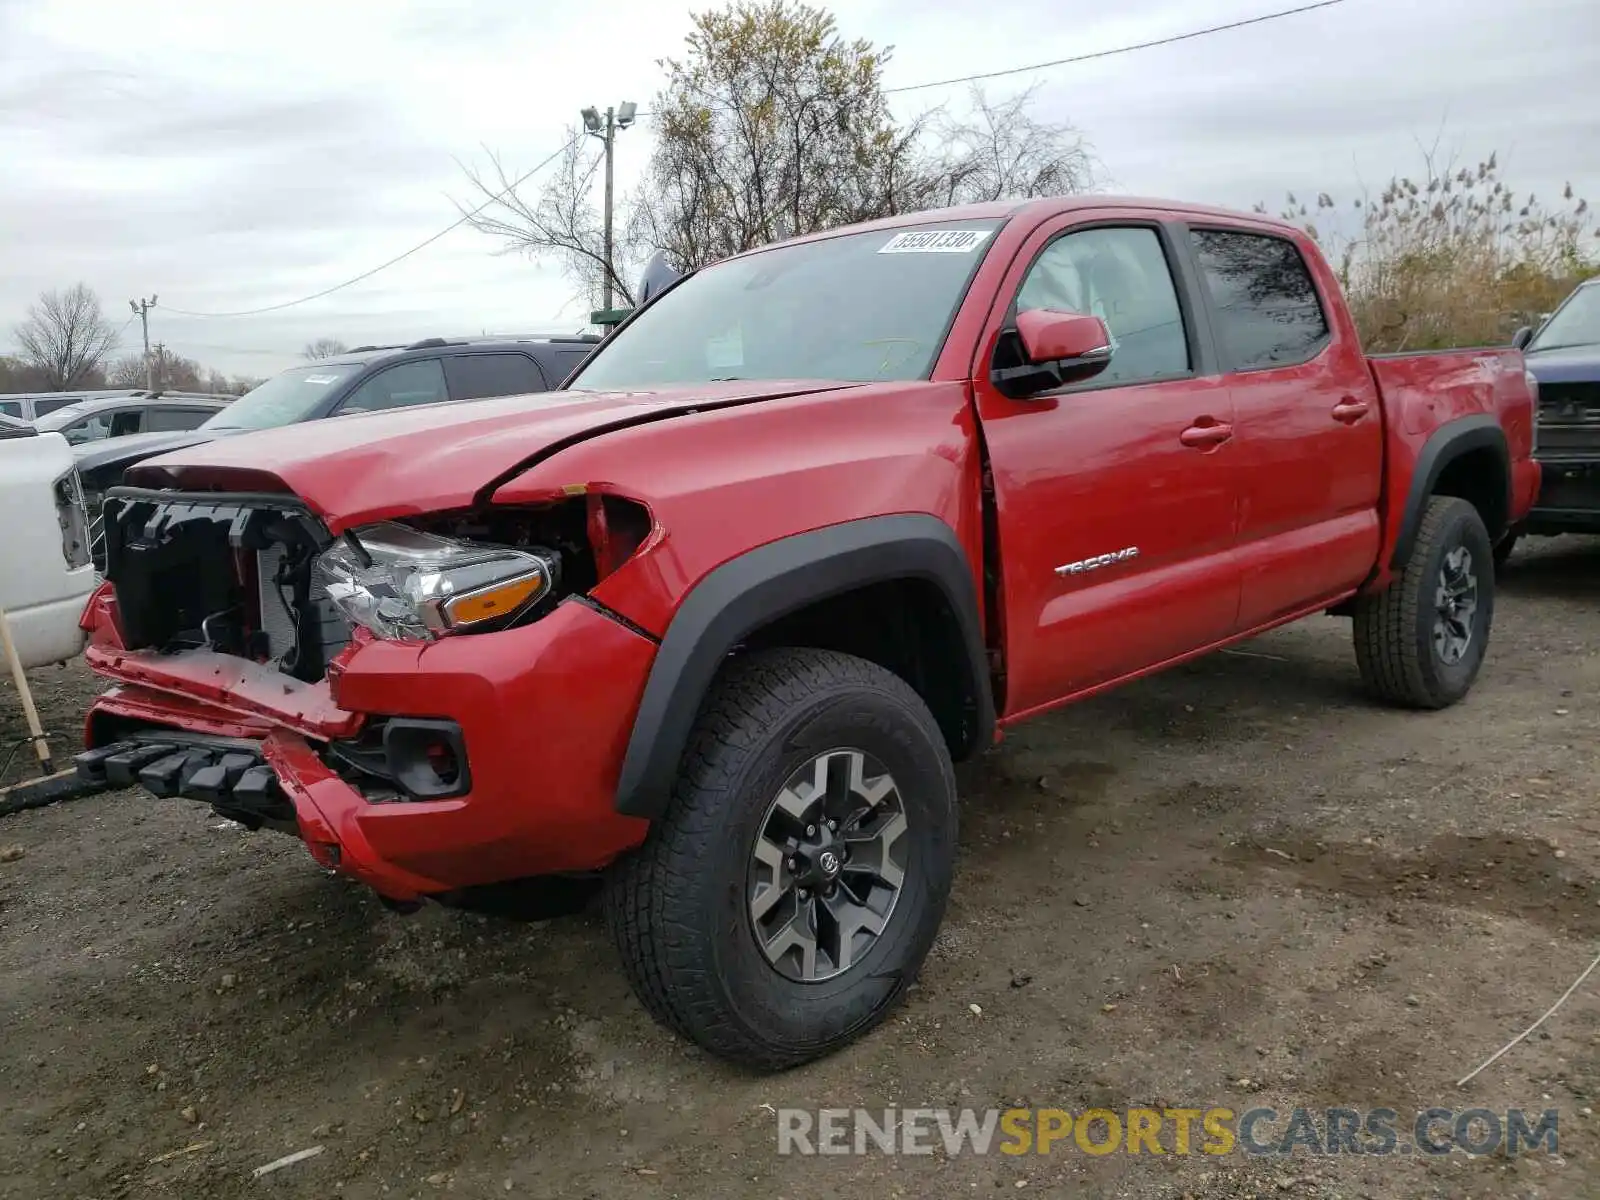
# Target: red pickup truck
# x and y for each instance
(706, 627)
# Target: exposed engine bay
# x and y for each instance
(259, 576)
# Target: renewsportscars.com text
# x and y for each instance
(1178, 1131)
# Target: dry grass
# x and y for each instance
(1451, 257)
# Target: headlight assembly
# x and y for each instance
(400, 582)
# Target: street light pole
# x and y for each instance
(141, 309)
(605, 128)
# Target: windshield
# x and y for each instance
(283, 399)
(64, 415)
(1575, 323)
(859, 307)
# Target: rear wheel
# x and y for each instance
(787, 897)
(1421, 641)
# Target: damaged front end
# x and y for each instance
(274, 669)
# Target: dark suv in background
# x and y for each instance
(1564, 356)
(366, 379)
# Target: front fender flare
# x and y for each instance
(772, 581)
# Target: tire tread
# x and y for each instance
(1388, 649)
(666, 962)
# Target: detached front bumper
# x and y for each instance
(544, 713)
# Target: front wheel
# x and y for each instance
(786, 898)
(1421, 640)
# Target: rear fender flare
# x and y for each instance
(1446, 444)
(770, 582)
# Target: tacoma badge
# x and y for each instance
(1098, 561)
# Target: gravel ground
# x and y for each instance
(1237, 884)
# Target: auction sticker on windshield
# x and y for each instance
(935, 241)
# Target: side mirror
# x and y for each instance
(1058, 348)
(1520, 339)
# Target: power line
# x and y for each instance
(383, 266)
(1078, 58)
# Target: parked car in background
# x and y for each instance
(124, 416)
(1564, 357)
(43, 545)
(367, 379)
(708, 627)
(30, 406)
(14, 427)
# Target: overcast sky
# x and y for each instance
(240, 153)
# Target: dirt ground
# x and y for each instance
(1240, 883)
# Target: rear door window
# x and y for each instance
(473, 376)
(172, 420)
(402, 386)
(1266, 305)
(567, 361)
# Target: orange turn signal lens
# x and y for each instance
(493, 602)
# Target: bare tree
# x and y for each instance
(773, 125)
(66, 336)
(999, 151)
(175, 373)
(126, 372)
(18, 376)
(561, 219)
(323, 347)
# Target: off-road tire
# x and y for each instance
(1394, 630)
(679, 909)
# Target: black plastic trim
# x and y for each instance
(1446, 444)
(411, 770)
(770, 582)
(612, 614)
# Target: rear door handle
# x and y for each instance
(1206, 434)
(1350, 410)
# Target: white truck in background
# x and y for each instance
(45, 571)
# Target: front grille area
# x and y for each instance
(1569, 419)
(279, 619)
(228, 573)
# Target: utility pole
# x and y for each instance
(141, 309)
(605, 128)
(158, 360)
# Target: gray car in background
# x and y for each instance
(124, 416)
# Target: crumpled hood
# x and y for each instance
(431, 458)
(131, 448)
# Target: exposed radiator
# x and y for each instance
(277, 605)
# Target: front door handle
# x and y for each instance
(1206, 434)
(1350, 410)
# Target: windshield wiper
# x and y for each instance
(1562, 346)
